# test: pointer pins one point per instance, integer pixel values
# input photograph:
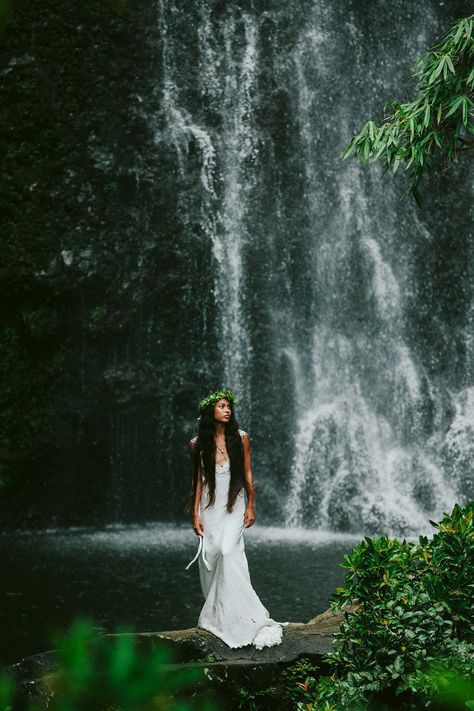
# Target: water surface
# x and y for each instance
(136, 576)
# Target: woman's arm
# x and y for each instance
(249, 511)
(197, 523)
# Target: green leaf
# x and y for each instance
(426, 119)
(454, 106)
(450, 64)
(380, 151)
(445, 80)
(437, 71)
(459, 32)
(349, 150)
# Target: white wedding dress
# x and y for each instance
(232, 609)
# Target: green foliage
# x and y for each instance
(292, 676)
(449, 679)
(108, 673)
(96, 317)
(439, 121)
(407, 635)
(215, 397)
(7, 689)
(248, 700)
(450, 569)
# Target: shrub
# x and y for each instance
(449, 575)
(292, 675)
(449, 682)
(105, 674)
(410, 628)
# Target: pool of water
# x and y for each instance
(135, 576)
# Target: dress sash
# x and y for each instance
(200, 548)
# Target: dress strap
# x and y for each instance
(200, 548)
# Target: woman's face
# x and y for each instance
(222, 410)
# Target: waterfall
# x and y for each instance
(360, 455)
(211, 236)
(227, 156)
(316, 264)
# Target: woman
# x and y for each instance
(221, 477)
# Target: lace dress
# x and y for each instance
(232, 609)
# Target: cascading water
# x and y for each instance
(222, 217)
(361, 455)
(315, 262)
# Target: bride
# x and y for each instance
(221, 480)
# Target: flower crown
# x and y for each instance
(218, 395)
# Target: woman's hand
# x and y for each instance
(249, 519)
(197, 526)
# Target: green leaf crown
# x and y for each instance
(218, 395)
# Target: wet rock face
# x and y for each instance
(178, 221)
(95, 254)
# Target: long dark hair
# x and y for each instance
(204, 454)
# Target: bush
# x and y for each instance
(106, 674)
(449, 573)
(407, 639)
(449, 682)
